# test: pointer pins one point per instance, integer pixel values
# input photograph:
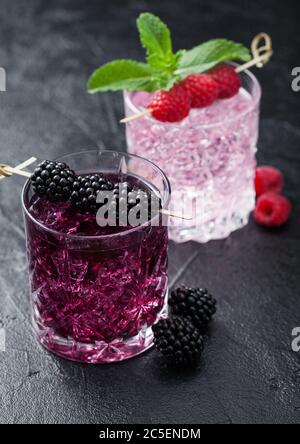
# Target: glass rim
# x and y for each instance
(129, 231)
(256, 98)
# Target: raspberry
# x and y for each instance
(272, 210)
(268, 178)
(170, 106)
(228, 81)
(53, 180)
(178, 340)
(202, 89)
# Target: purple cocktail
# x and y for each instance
(209, 158)
(96, 291)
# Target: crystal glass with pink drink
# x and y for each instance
(96, 291)
(209, 158)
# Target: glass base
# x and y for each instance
(99, 352)
(213, 229)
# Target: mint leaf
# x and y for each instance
(123, 75)
(156, 39)
(211, 53)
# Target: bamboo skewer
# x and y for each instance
(136, 116)
(255, 61)
(261, 56)
(26, 163)
(17, 171)
(7, 171)
(173, 214)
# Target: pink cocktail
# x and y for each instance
(209, 159)
(96, 291)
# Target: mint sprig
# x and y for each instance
(123, 74)
(163, 67)
(155, 37)
(209, 54)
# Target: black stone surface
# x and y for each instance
(249, 373)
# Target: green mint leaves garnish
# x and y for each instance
(123, 74)
(163, 67)
(155, 37)
(208, 54)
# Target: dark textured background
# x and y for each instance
(248, 371)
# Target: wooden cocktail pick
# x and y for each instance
(261, 55)
(174, 214)
(7, 171)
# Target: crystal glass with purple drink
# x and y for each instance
(209, 159)
(96, 291)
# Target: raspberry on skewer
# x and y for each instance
(228, 81)
(170, 106)
(202, 89)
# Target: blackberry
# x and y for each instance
(127, 198)
(195, 304)
(53, 180)
(85, 190)
(178, 340)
